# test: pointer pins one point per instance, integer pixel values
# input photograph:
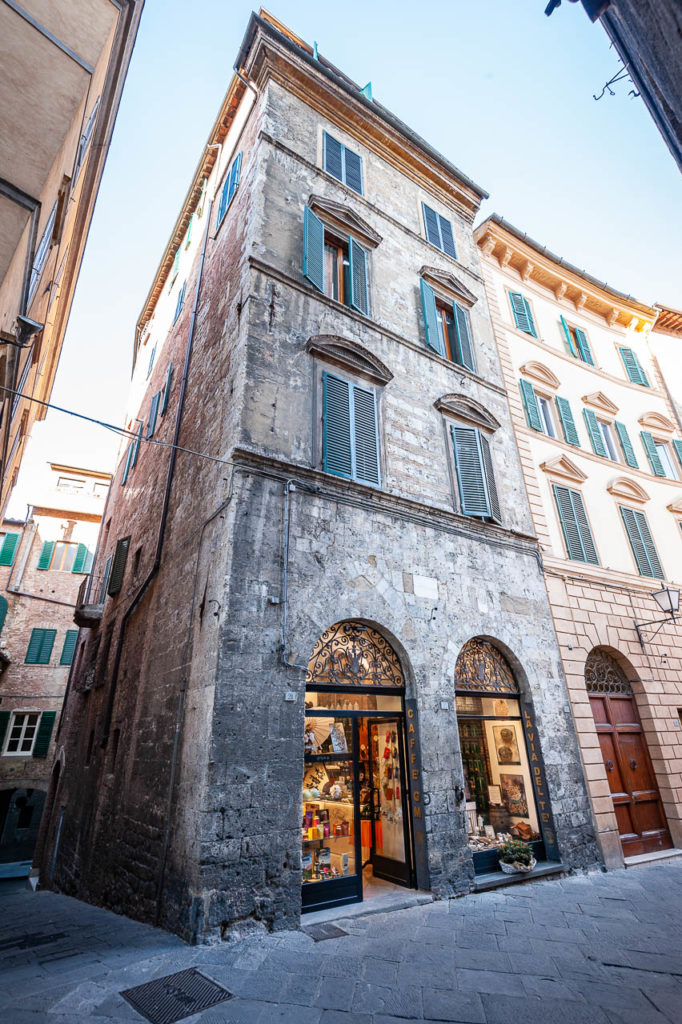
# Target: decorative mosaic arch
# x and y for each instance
(481, 668)
(603, 674)
(350, 654)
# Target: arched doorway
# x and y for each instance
(504, 781)
(642, 824)
(355, 810)
(20, 815)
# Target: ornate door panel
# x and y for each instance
(636, 800)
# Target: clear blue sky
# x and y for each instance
(497, 87)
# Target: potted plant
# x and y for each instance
(515, 855)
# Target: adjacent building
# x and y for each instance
(601, 449)
(320, 652)
(60, 87)
(43, 562)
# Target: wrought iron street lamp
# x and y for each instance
(668, 600)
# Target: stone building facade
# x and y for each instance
(601, 449)
(43, 562)
(59, 96)
(341, 530)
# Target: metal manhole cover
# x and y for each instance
(319, 932)
(176, 996)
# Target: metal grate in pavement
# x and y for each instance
(320, 932)
(176, 996)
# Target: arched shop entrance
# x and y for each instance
(356, 821)
(504, 778)
(642, 824)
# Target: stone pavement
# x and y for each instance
(589, 949)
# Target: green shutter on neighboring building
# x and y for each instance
(44, 734)
(4, 722)
(313, 249)
(8, 549)
(575, 525)
(632, 367)
(69, 647)
(433, 336)
(570, 345)
(465, 353)
(531, 404)
(40, 646)
(598, 446)
(650, 449)
(46, 554)
(567, 422)
(357, 277)
(626, 445)
(118, 566)
(523, 317)
(3, 611)
(166, 395)
(677, 445)
(641, 541)
(80, 559)
(583, 345)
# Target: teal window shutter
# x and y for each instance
(8, 549)
(570, 346)
(584, 347)
(596, 439)
(44, 734)
(531, 404)
(166, 391)
(433, 335)
(447, 237)
(650, 449)
(567, 422)
(473, 465)
(359, 292)
(152, 356)
(136, 446)
(332, 156)
(153, 413)
(175, 268)
(178, 309)
(230, 186)
(80, 559)
(677, 445)
(188, 236)
(365, 435)
(626, 445)
(439, 231)
(128, 463)
(465, 352)
(642, 544)
(575, 525)
(69, 647)
(4, 722)
(89, 559)
(3, 615)
(632, 367)
(313, 249)
(118, 566)
(353, 170)
(46, 554)
(523, 316)
(40, 647)
(336, 425)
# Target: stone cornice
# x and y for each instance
(657, 422)
(541, 374)
(350, 356)
(630, 490)
(340, 216)
(444, 281)
(466, 408)
(562, 468)
(599, 401)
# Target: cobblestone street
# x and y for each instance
(603, 949)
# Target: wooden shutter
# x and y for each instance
(3, 616)
(490, 478)
(166, 393)
(128, 462)
(465, 352)
(642, 543)
(567, 422)
(359, 292)
(584, 347)
(4, 722)
(333, 156)
(626, 445)
(222, 202)
(46, 554)
(118, 566)
(432, 226)
(433, 335)
(677, 445)
(598, 446)
(575, 526)
(152, 356)
(531, 404)
(632, 367)
(8, 549)
(33, 649)
(523, 317)
(178, 307)
(447, 238)
(153, 412)
(313, 249)
(136, 446)
(471, 478)
(69, 647)
(44, 734)
(365, 435)
(234, 177)
(89, 559)
(80, 559)
(569, 338)
(650, 449)
(336, 426)
(353, 170)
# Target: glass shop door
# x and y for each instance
(385, 801)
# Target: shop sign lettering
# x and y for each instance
(540, 785)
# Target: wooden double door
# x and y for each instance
(636, 800)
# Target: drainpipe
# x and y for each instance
(166, 498)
